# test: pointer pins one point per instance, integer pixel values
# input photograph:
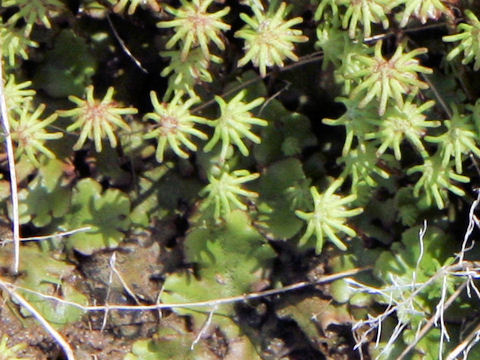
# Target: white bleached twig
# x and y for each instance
(11, 170)
(46, 325)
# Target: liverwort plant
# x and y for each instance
(435, 180)
(362, 165)
(423, 10)
(17, 95)
(367, 12)
(328, 217)
(385, 79)
(14, 43)
(333, 41)
(269, 39)
(184, 74)
(332, 4)
(97, 119)
(33, 12)
(121, 5)
(469, 37)
(358, 122)
(194, 26)
(459, 139)
(405, 121)
(225, 191)
(28, 131)
(234, 123)
(350, 64)
(175, 125)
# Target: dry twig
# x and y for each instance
(11, 169)
(207, 303)
(10, 289)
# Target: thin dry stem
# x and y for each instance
(472, 338)
(46, 325)
(107, 295)
(124, 47)
(206, 303)
(11, 169)
(47, 237)
(113, 259)
(440, 314)
(426, 328)
(204, 328)
(472, 220)
(421, 237)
